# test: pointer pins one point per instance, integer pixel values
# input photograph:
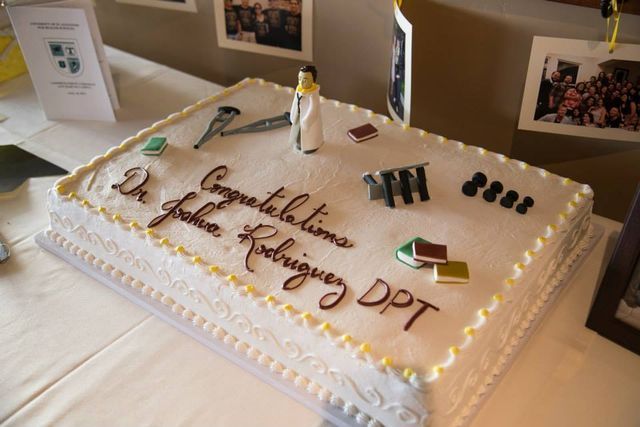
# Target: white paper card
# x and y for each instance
(62, 61)
(90, 13)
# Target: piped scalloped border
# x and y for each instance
(515, 343)
(216, 331)
(363, 349)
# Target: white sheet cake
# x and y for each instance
(273, 251)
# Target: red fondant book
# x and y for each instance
(362, 133)
(430, 252)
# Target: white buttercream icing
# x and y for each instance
(515, 255)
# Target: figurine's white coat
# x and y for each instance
(308, 119)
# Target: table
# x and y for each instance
(76, 353)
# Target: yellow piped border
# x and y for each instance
(250, 290)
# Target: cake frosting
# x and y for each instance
(283, 256)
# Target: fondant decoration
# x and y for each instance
(263, 125)
(154, 146)
(489, 195)
(363, 133)
(470, 188)
(512, 195)
(225, 116)
(306, 121)
(528, 201)
(391, 186)
(451, 272)
(404, 253)
(506, 202)
(497, 187)
(479, 179)
(430, 252)
(521, 208)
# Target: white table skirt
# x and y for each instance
(72, 352)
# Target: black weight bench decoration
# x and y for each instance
(403, 185)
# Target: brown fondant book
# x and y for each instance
(362, 133)
(430, 252)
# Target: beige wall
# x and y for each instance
(470, 63)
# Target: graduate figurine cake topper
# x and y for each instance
(306, 121)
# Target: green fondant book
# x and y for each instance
(154, 146)
(404, 253)
(451, 272)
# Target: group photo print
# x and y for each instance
(582, 94)
(272, 27)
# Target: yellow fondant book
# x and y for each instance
(452, 272)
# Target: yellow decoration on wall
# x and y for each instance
(454, 350)
(346, 338)
(498, 298)
(249, 288)
(386, 361)
(179, 249)
(213, 269)
(149, 232)
(11, 60)
(510, 282)
(325, 326)
(134, 224)
(438, 370)
(483, 312)
(116, 217)
(408, 373)
(469, 331)
(365, 347)
(196, 259)
(269, 298)
(232, 278)
(287, 307)
(306, 315)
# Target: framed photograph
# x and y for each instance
(399, 90)
(270, 27)
(183, 5)
(576, 87)
(615, 313)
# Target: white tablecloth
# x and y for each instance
(72, 352)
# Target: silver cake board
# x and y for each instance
(329, 412)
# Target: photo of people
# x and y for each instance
(399, 87)
(574, 93)
(274, 27)
(593, 94)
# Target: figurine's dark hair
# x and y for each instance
(310, 69)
